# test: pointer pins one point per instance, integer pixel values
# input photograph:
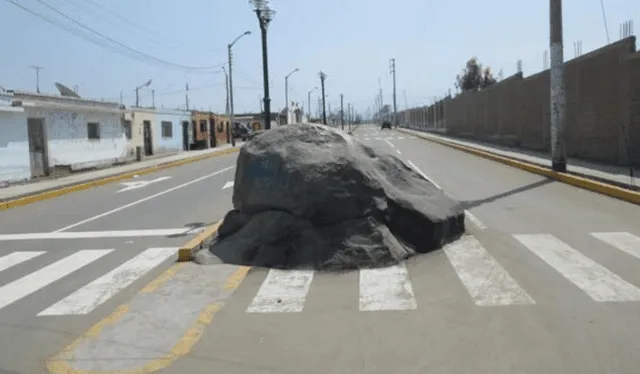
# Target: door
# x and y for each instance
(185, 135)
(212, 132)
(148, 143)
(38, 147)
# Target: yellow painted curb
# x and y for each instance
(185, 252)
(574, 180)
(100, 182)
(59, 364)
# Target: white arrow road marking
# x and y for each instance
(227, 185)
(140, 184)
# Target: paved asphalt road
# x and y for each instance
(547, 281)
(53, 289)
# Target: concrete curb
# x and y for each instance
(59, 363)
(186, 251)
(574, 180)
(4, 205)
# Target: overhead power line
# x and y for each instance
(138, 54)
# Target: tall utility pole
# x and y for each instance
(186, 95)
(153, 99)
(349, 115)
(37, 69)
(323, 76)
(342, 111)
(226, 84)
(265, 16)
(392, 68)
(286, 91)
(231, 119)
(558, 99)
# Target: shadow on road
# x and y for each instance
(470, 204)
(191, 227)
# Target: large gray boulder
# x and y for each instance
(309, 196)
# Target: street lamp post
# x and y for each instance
(146, 84)
(231, 119)
(323, 76)
(286, 92)
(309, 101)
(265, 15)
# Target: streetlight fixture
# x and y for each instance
(286, 91)
(309, 101)
(265, 16)
(146, 84)
(231, 119)
(323, 76)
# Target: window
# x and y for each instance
(203, 125)
(93, 130)
(167, 129)
(126, 125)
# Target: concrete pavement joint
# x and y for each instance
(127, 323)
(577, 181)
(29, 199)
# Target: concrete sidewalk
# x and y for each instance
(27, 189)
(617, 175)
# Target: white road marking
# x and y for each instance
(390, 144)
(377, 138)
(139, 184)
(400, 138)
(397, 151)
(475, 220)
(100, 234)
(487, 282)
(145, 199)
(102, 289)
(594, 279)
(417, 169)
(16, 258)
(386, 289)
(283, 291)
(227, 185)
(33, 282)
(481, 226)
(624, 241)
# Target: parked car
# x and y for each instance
(386, 125)
(241, 130)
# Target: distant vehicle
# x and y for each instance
(240, 130)
(386, 125)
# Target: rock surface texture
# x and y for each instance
(309, 196)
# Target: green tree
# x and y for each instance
(474, 77)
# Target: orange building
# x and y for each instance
(209, 129)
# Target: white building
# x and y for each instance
(70, 132)
(14, 145)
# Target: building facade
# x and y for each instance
(172, 130)
(15, 163)
(71, 133)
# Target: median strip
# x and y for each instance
(162, 322)
(574, 180)
(29, 199)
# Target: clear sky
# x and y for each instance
(351, 40)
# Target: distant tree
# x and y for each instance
(474, 77)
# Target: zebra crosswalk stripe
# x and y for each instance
(17, 258)
(624, 241)
(386, 289)
(31, 283)
(282, 291)
(487, 282)
(102, 289)
(594, 279)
